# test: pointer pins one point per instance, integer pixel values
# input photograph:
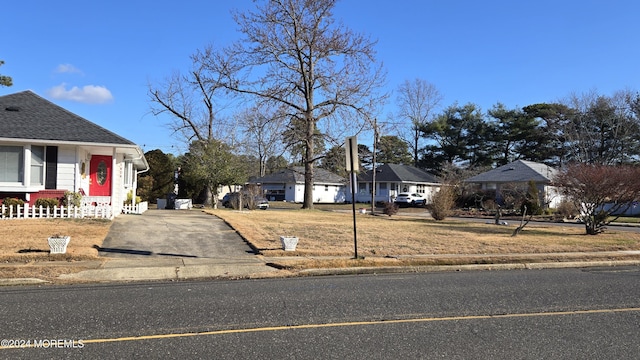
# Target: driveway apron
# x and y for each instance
(187, 234)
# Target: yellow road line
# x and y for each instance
(356, 323)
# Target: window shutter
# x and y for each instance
(51, 172)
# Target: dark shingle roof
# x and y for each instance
(397, 172)
(296, 175)
(517, 171)
(25, 115)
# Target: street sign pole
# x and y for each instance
(352, 164)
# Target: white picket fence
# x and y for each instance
(135, 209)
(99, 211)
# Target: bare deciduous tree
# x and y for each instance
(417, 100)
(294, 54)
(192, 105)
(263, 128)
(603, 129)
(599, 191)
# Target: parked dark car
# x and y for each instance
(232, 200)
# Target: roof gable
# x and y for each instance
(399, 173)
(517, 171)
(25, 115)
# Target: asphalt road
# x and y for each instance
(525, 314)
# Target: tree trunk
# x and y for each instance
(522, 223)
(308, 164)
(208, 200)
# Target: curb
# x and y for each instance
(22, 281)
(469, 267)
(172, 273)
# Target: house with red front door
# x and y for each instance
(46, 150)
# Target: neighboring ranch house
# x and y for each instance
(393, 179)
(46, 150)
(288, 185)
(520, 172)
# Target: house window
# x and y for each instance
(362, 187)
(37, 165)
(128, 173)
(326, 188)
(11, 164)
(382, 186)
(101, 173)
(420, 189)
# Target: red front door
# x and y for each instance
(100, 175)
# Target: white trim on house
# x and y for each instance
(69, 174)
(394, 179)
(288, 185)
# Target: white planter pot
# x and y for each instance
(58, 245)
(289, 243)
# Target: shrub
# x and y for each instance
(50, 203)
(248, 201)
(442, 203)
(567, 209)
(390, 208)
(11, 202)
(130, 197)
(531, 200)
(71, 198)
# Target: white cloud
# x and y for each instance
(68, 68)
(89, 94)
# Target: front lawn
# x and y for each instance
(330, 233)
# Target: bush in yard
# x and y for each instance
(71, 198)
(130, 198)
(531, 200)
(11, 203)
(50, 203)
(390, 208)
(567, 210)
(442, 203)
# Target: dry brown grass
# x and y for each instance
(26, 240)
(24, 251)
(325, 233)
(383, 241)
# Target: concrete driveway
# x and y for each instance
(172, 245)
(173, 234)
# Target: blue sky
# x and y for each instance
(95, 58)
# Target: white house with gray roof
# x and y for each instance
(288, 185)
(46, 150)
(521, 172)
(393, 179)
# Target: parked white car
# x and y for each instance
(412, 199)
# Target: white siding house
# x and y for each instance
(521, 172)
(393, 179)
(46, 150)
(288, 185)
